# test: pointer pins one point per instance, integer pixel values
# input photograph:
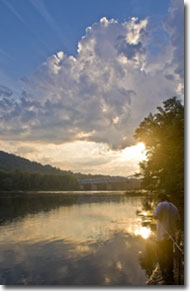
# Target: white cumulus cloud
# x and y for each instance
(103, 92)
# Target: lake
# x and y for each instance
(77, 238)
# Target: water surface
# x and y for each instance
(91, 239)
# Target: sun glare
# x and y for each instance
(140, 146)
(136, 152)
(144, 232)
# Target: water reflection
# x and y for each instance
(145, 232)
(148, 258)
(97, 243)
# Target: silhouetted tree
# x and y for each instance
(163, 136)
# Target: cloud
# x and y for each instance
(174, 24)
(79, 156)
(5, 92)
(170, 58)
(103, 93)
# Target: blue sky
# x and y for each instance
(77, 77)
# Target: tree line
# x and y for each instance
(18, 180)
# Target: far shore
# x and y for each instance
(91, 192)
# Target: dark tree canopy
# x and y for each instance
(163, 135)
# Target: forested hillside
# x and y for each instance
(10, 162)
(18, 173)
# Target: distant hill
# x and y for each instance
(18, 173)
(10, 162)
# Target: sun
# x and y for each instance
(141, 146)
(136, 152)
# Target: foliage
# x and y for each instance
(11, 163)
(163, 136)
(17, 180)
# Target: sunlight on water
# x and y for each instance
(96, 243)
(144, 232)
(76, 223)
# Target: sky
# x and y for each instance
(77, 77)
